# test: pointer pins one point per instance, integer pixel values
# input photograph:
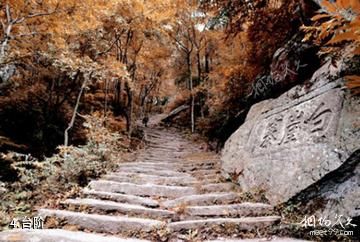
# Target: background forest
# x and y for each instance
(131, 57)
(83, 72)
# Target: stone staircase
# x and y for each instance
(167, 194)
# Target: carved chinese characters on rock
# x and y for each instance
(271, 135)
(319, 120)
(296, 126)
(292, 127)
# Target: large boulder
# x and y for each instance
(339, 189)
(6, 72)
(2, 188)
(291, 142)
(175, 112)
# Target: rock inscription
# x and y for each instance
(289, 143)
(300, 124)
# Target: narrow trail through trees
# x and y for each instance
(172, 192)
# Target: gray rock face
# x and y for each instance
(2, 188)
(340, 189)
(58, 235)
(287, 144)
(343, 198)
(244, 223)
(6, 72)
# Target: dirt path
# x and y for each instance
(171, 192)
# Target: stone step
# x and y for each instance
(158, 154)
(141, 190)
(175, 138)
(156, 172)
(161, 157)
(58, 235)
(218, 187)
(173, 143)
(153, 171)
(169, 137)
(245, 223)
(150, 169)
(196, 167)
(148, 164)
(167, 148)
(158, 158)
(270, 239)
(175, 166)
(166, 152)
(169, 141)
(147, 158)
(157, 143)
(231, 210)
(208, 177)
(161, 134)
(202, 173)
(122, 198)
(201, 162)
(103, 223)
(149, 176)
(139, 178)
(202, 199)
(146, 167)
(173, 160)
(125, 208)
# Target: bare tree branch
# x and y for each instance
(24, 35)
(7, 28)
(8, 13)
(22, 19)
(72, 121)
(113, 44)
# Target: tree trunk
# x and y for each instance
(207, 62)
(143, 97)
(106, 101)
(129, 109)
(192, 118)
(192, 113)
(117, 97)
(198, 55)
(4, 44)
(131, 115)
(72, 121)
(198, 65)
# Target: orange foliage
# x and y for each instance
(56, 45)
(335, 24)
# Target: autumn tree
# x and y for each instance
(187, 34)
(14, 19)
(236, 46)
(50, 69)
(334, 26)
(133, 37)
